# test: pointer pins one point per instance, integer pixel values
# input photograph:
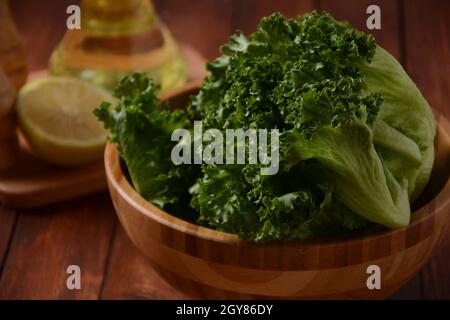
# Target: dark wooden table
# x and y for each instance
(36, 246)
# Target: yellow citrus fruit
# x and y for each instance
(55, 113)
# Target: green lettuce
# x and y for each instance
(141, 125)
(356, 135)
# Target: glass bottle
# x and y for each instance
(13, 75)
(116, 38)
(9, 146)
(12, 51)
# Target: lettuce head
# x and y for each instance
(356, 134)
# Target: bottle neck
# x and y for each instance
(116, 17)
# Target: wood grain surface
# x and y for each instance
(46, 241)
(37, 246)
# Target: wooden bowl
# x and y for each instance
(209, 264)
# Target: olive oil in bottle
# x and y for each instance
(13, 75)
(12, 50)
(118, 37)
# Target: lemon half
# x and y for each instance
(56, 115)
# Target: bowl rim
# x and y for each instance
(121, 184)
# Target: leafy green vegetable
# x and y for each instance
(142, 126)
(356, 135)
(405, 128)
(343, 105)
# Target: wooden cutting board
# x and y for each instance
(31, 182)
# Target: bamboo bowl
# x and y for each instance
(204, 263)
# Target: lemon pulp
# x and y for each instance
(56, 115)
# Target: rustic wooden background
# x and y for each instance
(36, 246)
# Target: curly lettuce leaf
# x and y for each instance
(141, 125)
(339, 102)
(349, 158)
